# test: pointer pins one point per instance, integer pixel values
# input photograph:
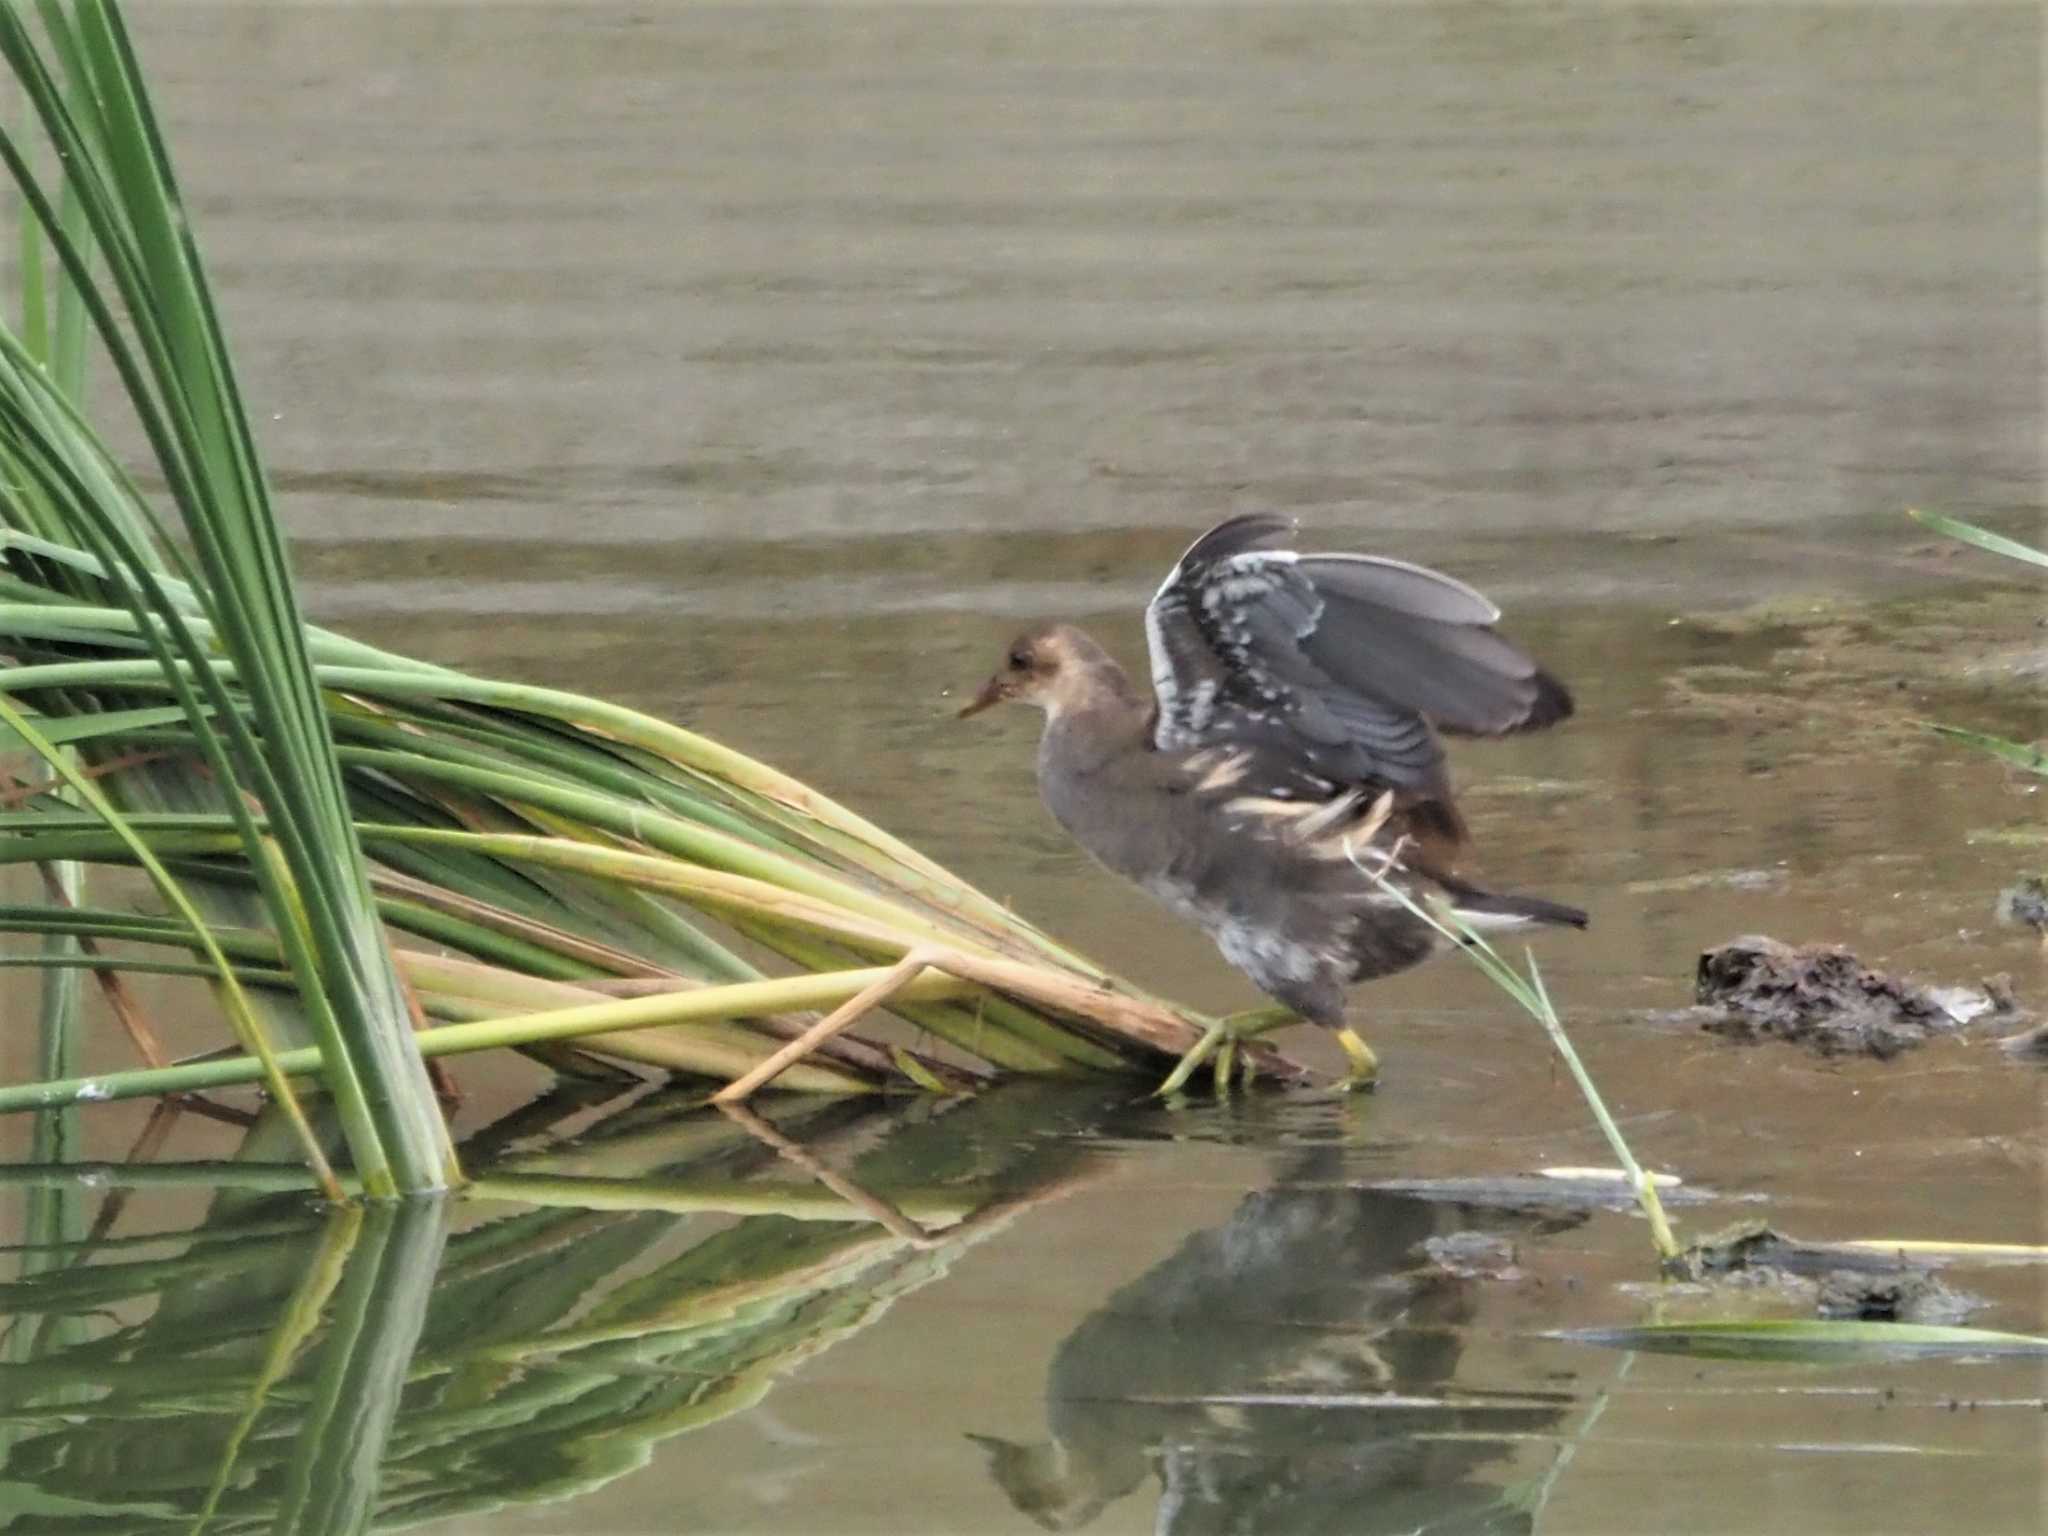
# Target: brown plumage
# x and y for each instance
(1290, 693)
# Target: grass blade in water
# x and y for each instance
(2028, 759)
(1982, 538)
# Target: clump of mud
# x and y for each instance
(1898, 1296)
(1838, 1281)
(1823, 997)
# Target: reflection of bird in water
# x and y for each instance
(1291, 734)
(1204, 1373)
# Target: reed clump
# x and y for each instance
(366, 857)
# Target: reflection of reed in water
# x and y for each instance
(310, 1373)
(1291, 1370)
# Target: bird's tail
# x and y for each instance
(1487, 909)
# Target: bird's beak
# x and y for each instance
(992, 692)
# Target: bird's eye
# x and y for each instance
(1020, 660)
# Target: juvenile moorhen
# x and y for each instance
(1291, 742)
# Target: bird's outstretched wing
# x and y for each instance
(1345, 666)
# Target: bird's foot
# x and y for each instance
(1364, 1072)
(1221, 1042)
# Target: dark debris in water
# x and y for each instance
(2025, 905)
(1823, 997)
(1754, 1248)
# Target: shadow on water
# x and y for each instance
(1294, 1368)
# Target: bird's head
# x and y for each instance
(1052, 667)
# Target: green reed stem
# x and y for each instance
(1529, 994)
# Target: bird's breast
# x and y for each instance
(1142, 836)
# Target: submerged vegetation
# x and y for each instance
(368, 858)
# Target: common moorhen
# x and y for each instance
(1290, 750)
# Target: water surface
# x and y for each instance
(765, 367)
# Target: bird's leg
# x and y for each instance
(1224, 1035)
(1365, 1066)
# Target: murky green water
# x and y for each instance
(766, 367)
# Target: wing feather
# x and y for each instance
(1405, 588)
(1347, 665)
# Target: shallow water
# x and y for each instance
(766, 368)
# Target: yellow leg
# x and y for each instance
(1365, 1066)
